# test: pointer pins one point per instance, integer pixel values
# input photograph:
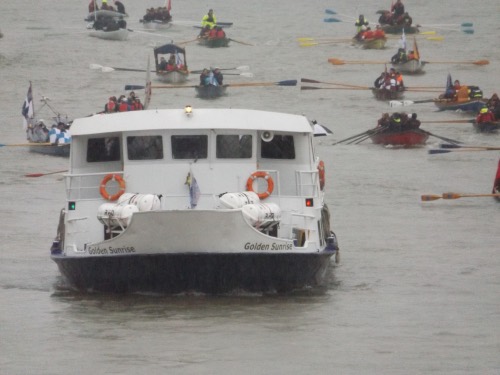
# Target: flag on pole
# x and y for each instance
(194, 190)
(27, 110)
(169, 6)
(415, 49)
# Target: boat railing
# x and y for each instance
(307, 183)
(86, 186)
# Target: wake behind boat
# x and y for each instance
(182, 200)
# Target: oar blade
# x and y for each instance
(468, 31)
(438, 151)
(307, 80)
(330, 11)
(336, 61)
(95, 66)
(467, 24)
(331, 19)
(310, 88)
(430, 197)
(397, 103)
(481, 62)
(289, 82)
(133, 87)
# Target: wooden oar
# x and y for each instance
(311, 44)
(333, 88)
(458, 195)
(240, 42)
(307, 80)
(26, 144)
(404, 103)
(478, 62)
(464, 24)
(243, 67)
(335, 61)
(444, 151)
(352, 137)
(290, 82)
(43, 174)
(187, 41)
(449, 140)
(448, 122)
(107, 69)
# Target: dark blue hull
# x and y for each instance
(205, 273)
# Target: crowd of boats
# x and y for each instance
(213, 200)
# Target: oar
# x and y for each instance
(352, 137)
(478, 62)
(333, 88)
(458, 195)
(187, 41)
(240, 42)
(332, 11)
(449, 140)
(433, 197)
(307, 80)
(447, 145)
(449, 122)
(26, 144)
(43, 174)
(335, 61)
(332, 19)
(444, 151)
(243, 74)
(107, 69)
(404, 103)
(311, 44)
(243, 67)
(290, 82)
(464, 24)
(369, 133)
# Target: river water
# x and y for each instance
(416, 290)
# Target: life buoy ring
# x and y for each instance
(321, 172)
(104, 192)
(265, 176)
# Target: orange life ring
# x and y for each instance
(321, 172)
(265, 176)
(104, 192)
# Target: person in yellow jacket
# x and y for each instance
(208, 20)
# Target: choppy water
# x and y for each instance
(417, 287)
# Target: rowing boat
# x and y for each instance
(471, 105)
(213, 42)
(385, 94)
(210, 91)
(404, 138)
(487, 126)
(414, 66)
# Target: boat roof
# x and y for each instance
(168, 48)
(177, 119)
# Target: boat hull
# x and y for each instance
(410, 67)
(405, 138)
(156, 25)
(384, 94)
(378, 43)
(214, 42)
(205, 273)
(210, 91)
(52, 150)
(175, 76)
(486, 127)
(468, 106)
(121, 34)
(398, 29)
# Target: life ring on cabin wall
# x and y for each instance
(265, 176)
(104, 192)
(321, 173)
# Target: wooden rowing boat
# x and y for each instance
(413, 66)
(176, 74)
(487, 126)
(471, 105)
(385, 94)
(210, 91)
(373, 43)
(404, 138)
(213, 42)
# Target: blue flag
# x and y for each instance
(27, 110)
(194, 190)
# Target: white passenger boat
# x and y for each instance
(203, 200)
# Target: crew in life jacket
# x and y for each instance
(171, 65)
(397, 9)
(93, 6)
(212, 33)
(209, 20)
(220, 34)
(399, 57)
(110, 106)
(485, 115)
(360, 22)
(124, 105)
(218, 76)
(380, 81)
(412, 122)
(493, 104)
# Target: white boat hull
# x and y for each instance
(121, 34)
(157, 25)
(174, 76)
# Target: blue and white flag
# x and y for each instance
(403, 40)
(27, 110)
(194, 190)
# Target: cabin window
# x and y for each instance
(234, 146)
(145, 147)
(280, 147)
(189, 146)
(103, 149)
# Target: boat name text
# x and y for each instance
(97, 250)
(266, 246)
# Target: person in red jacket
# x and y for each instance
(485, 115)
